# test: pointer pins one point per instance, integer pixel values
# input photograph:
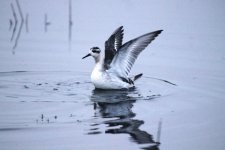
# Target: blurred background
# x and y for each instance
(191, 29)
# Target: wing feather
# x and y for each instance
(112, 45)
(128, 53)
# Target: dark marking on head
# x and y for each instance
(95, 50)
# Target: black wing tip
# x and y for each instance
(154, 33)
(121, 27)
(151, 35)
(158, 31)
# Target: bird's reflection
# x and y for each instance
(116, 106)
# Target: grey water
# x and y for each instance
(47, 100)
(44, 92)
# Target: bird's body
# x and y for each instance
(112, 71)
(106, 79)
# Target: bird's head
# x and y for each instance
(94, 52)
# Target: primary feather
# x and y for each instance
(112, 45)
(128, 53)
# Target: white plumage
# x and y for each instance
(112, 71)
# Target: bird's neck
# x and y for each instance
(97, 59)
(98, 63)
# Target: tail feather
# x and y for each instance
(132, 79)
(137, 76)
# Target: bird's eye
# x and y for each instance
(95, 50)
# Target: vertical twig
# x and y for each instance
(10, 24)
(21, 24)
(15, 24)
(27, 27)
(70, 20)
(159, 132)
(46, 22)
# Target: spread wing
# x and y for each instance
(127, 54)
(112, 45)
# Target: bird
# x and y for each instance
(112, 69)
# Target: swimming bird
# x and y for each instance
(112, 70)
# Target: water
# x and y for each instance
(44, 100)
(48, 102)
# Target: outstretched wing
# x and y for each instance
(127, 54)
(112, 45)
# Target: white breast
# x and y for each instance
(103, 80)
(97, 76)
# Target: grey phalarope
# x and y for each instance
(112, 71)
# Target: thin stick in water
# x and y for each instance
(162, 80)
(27, 19)
(159, 132)
(46, 22)
(21, 24)
(70, 21)
(15, 20)
(10, 24)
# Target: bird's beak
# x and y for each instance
(86, 56)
